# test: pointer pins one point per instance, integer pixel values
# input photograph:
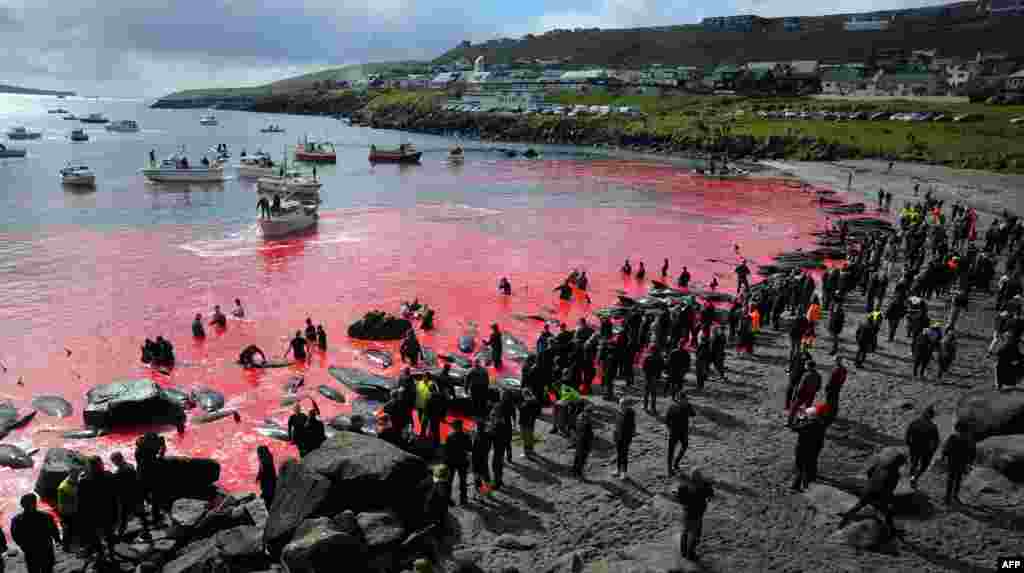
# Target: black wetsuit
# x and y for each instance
(219, 320)
(564, 292)
(456, 457)
(495, 342)
(197, 329)
(310, 333)
(247, 357)
(298, 345)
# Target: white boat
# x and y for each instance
(292, 218)
(123, 126)
(8, 152)
(77, 174)
(177, 169)
(93, 118)
(79, 135)
(272, 128)
(258, 165)
(292, 183)
(22, 133)
(208, 120)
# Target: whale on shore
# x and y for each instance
(331, 394)
(14, 457)
(207, 417)
(13, 423)
(275, 432)
(84, 434)
(467, 343)
(379, 358)
(53, 406)
(293, 384)
(208, 399)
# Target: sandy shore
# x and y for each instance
(756, 523)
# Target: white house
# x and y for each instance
(958, 75)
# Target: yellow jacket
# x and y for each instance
(67, 497)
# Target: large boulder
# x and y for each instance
(378, 325)
(368, 474)
(869, 533)
(188, 477)
(382, 530)
(320, 545)
(129, 402)
(299, 495)
(985, 487)
(1004, 453)
(992, 412)
(57, 464)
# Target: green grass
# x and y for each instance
(256, 91)
(421, 101)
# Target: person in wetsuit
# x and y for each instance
(264, 206)
(627, 269)
(218, 320)
(564, 291)
(495, 342)
(582, 282)
(310, 330)
(641, 272)
(505, 287)
(664, 269)
(238, 311)
(321, 337)
(248, 357)
(276, 206)
(297, 346)
(148, 352)
(197, 327)
(684, 279)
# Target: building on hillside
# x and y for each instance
(723, 77)
(843, 81)
(910, 83)
(1015, 82)
(584, 75)
(742, 23)
(444, 80)
(497, 97)
(959, 75)
(866, 23)
(798, 77)
(1001, 8)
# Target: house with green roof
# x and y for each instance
(843, 80)
(722, 77)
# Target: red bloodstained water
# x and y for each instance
(100, 293)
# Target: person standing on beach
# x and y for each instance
(693, 493)
(677, 422)
(35, 533)
(849, 181)
(959, 453)
(584, 441)
(836, 380)
(922, 438)
(625, 429)
(654, 365)
(836, 321)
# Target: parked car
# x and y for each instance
(964, 118)
(879, 115)
(856, 115)
(941, 117)
(1017, 121)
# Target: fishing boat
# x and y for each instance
(293, 217)
(208, 120)
(258, 165)
(70, 117)
(94, 118)
(22, 133)
(404, 154)
(77, 174)
(272, 128)
(293, 183)
(176, 168)
(6, 152)
(79, 135)
(456, 155)
(58, 110)
(124, 126)
(316, 152)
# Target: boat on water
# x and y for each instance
(77, 174)
(94, 118)
(316, 152)
(177, 169)
(456, 155)
(208, 120)
(258, 165)
(79, 135)
(10, 152)
(294, 183)
(20, 132)
(123, 126)
(405, 153)
(272, 128)
(58, 110)
(293, 217)
(70, 117)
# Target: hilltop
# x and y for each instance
(955, 30)
(6, 89)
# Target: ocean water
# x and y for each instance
(85, 277)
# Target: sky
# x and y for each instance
(148, 48)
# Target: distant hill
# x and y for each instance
(954, 30)
(6, 89)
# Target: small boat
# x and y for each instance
(22, 133)
(70, 117)
(316, 152)
(124, 126)
(220, 151)
(258, 165)
(9, 152)
(293, 217)
(77, 174)
(299, 186)
(404, 154)
(94, 118)
(79, 135)
(176, 168)
(272, 128)
(58, 110)
(208, 120)
(456, 155)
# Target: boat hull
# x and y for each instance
(316, 157)
(122, 129)
(23, 136)
(87, 120)
(12, 153)
(395, 157)
(284, 225)
(184, 175)
(79, 180)
(79, 139)
(252, 171)
(276, 185)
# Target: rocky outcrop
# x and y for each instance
(300, 493)
(129, 402)
(1005, 454)
(378, 325)
(992, 412)
(321, 545)
(869, 533)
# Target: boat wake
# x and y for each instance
(249, 242)
(452, 212)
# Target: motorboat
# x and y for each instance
(456, 155)
(272, 128)
(177, 168)
(208, 120)
(293, 217)
(258, 165)
(6, 152)
(123, 126)
(292, 183)
(405, 153)
(94, 118)
(70, 117)
(317, 152)
(79, 135)
(22, 133)
(77, 174)
(58, 110)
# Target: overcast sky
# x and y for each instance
(152, 47)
